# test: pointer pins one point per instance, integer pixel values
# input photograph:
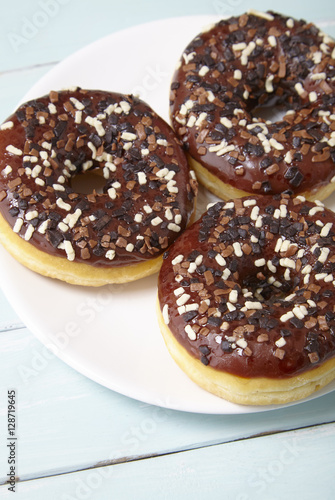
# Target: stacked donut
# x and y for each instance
(246, 299)
(239, 65)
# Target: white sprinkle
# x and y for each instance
(69, 250)
(7, 170)
(94, 122)
(198, 260)
(226, 122)
(247, 52)
(191, 307)
(286, 316)
(112, 193)
(39, 181)
(147, 209)
(315, 210)
(166, 316)
(183, 299)
(110, 254)
(318, 76)
(313, 96)
(58, 187)
(272, 40)
(226, 273)
(78, 116)
(229, 205)
(254, 213)
(325, 230)
(275, 144)
(271, 267)
(268, 84)
(138, 218)
(283, 210)
(320, 276)
(202, 117)
(7, 125)
(173, 227)
(178, 219)
(181, 309)
(130, 247)
(238, 74)
(14, 150)
(63, 227)
(253, 305)
(179, 291)
(192, 267)
(263, 15)
(52, 108)
(260, 262)
(242, 343)
(280, 342)
(125, 106)
(203, 70)
(168, 214)
(93, 149)
(323, 255)
(43, 227)
(142, 178)
(329, 278)
(237, 249)
(162, 142)
(31, 215)
(71, 219)
(128, 136)
(191, 121)
(299, 89)
(231, 307)
(286, 262)
(190, 332)
(29, 232)
(290, 23)
(61, 204)
(298, 313)
(288, 157)
(17, 226)
(239, 46)
(178, 259)
(156, 221)
(77, 104)
(220, 260)
(233, 296)
(249, 203)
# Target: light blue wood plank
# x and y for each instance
(292, 465)
(41, 31)
(67, 422)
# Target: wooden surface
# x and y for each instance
(79, 440)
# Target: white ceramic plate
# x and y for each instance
(111, 334)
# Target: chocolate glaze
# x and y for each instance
(250, 61)
(149, 192)
(267, 271)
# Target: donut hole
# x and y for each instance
(88, 182)
(273, 113)
(269, 287)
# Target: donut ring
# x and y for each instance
(91, 239)
(246, 299)
(258, 59)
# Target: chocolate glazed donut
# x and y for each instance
(247, 297)
(258, 60)
(96, 238)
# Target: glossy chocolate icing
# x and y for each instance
(259, 60)
(148, 194)
(249, 288)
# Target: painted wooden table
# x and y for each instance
(79, 440)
